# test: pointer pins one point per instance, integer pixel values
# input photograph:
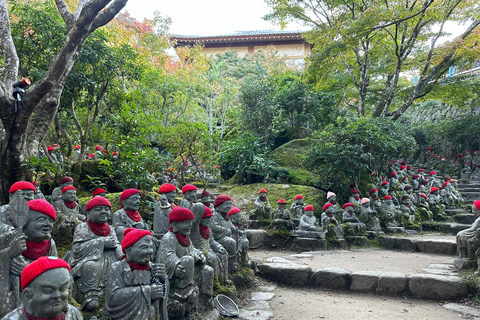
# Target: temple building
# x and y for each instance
(290, 44)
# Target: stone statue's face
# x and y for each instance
(69, 195)
(191, 195)
(103, 194)
(28, 195)
(182, 227)
(141, 251)
(39, 226)
(236, 218)
(206, 221)
(329, 210)
(47, 295)
(132, 202)
(349, 209)
(98, 214)
(366, 205)
(262, 195)
(388, 203)
(375, 194)
(356, 194)
(406, 201)
(282, 206)
(299, 201)
(224, 207)
(205, 199)
(171, 196)
(310, 213)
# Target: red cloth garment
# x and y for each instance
(137, 266)
(134, 215)
(30, 317)
(36, 250)
(357, 198)
(100, 229)
(182, 239)
(263, 198)
(70, 204)
(204, 231)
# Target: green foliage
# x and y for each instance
(41, 165)
(290, 154)
(356, 151)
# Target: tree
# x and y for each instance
(370, 45)
(27, 126)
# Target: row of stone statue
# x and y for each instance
(140, 274)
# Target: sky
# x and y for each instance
(207, 17)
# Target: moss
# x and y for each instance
(243, 277)
(289, 154)
(228, 290)
(302, 177)
(279, 233)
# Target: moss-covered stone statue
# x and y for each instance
(239, 235)
(281, 217)
(298, 206)
(352, 226)
(68, 212)
(435, 204)
(262, 207)
(468, 241)
(128, 216)
(163, 207)
(57, 192)
(24, 189)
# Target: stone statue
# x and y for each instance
(23, 245)
(206, 199)
(162, 209)
(355, 199)
(68, 212)
(217, 256)
(332, 198)
(423, 209)
(448, 196)
(389, 215)
(308, 222)
(26, 190)
(375, 202)
(297, 208)
(385, 185)
(351, 224)
(415, 181)
(330, 223)
(221, 229)
(434, 181)
(262, 206)
(44, 285)
(408, 211)
(239, 235)
(38, 193)
(468, 240)
(394, 199)
(281, 216)
(99, 192)
(186, 267)
(369, 216)
(57, 192)
(393, 180)
(95, 247)
(136, 288)
(435, 204)
(127, 216)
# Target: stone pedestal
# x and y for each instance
(394, 230)
(308, 244)
(356, 240)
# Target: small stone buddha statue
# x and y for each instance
(383, 191)
(281, 216)
(68, 212)
(99, 192)
(369, 216)
(239, 235)
(435, 204)
(128, 216)
(408, 211)
(330, 223)
(95, 247)
(434, 181)
(298, 206)
(262, 206)
(135, 286)
(206, 199)
(393, 180)
(44, 285)
(308, 222)
(375, 202)
(351, 224)
(355, 199)
(415, 181)
(468, 240)
(57, 192)
(23, 188)
(189, 201)
(163, 207)
(332, 198)
(186, 267)
(389, 213)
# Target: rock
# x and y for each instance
(266, 288)
(392, 283)
(301, 256)
(399, 243)
(256, 238)
(307, 244)
(463, 309)
(287, 273)
(364, 281)
(437, 246)
(210, 315)
(432, 286)
(258, 310)
(463, 263)
(262, 296)
(332, 278)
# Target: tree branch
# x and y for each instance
(11, 60)
(108, 13)
(67, 16)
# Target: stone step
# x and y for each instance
(445, 227)
(469, 189)
(436, 246)
(454, 211)
(465, 218)
(468, 185)
(471, 195)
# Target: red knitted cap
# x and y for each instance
(433, 189)
(207, 213)
(128, 193)
(403, 162)
(421, 170)
(68, 188)
(392, 174)
(476, 203)
(445, 184)
(97, 201)
(221, 199)
(354, 191)
(205, 193)
(348, 204)
(282, 201)
(384, 183)
(22, 185)
(423, 195)
(50, 148)
(262, 191)
(77, 147)
(415, 176)
(98, 148)
(166, 188)
(132, 235)
(42, 206)
(97, 191)
(66, 179)
(233, 210)
(39, 266)
(409, 167)
(407, 187)
(372, 190)
(180, 214)
(432, 173)
(310, 208)
(298, 197)
(188, 187)
(402, 167)
(387, 197)
(325, 207)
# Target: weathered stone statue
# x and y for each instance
(355, 199)
(435, 204)
(394, 199)
(28, 242)
(162, 209)
(99, 192)
(332, 198)
(393, 180)
(448, 196)
(44, 285)
(330, 223)
(423, 209)
(68, 212)
(375, 202)
(281, 216)
(57, 192)
(221, 229)
(297, 208)
(95, 247)
(136, 288)
(468, 241)
(206, 199)
(26, 190)
(239, 235)
(388, 219)
(415, 181)
(217, 256)
(434, 181)
(385, 185)
(369, 216)
(262, 206)
(38, 193)
(127, 216)
(308, 222)
(351, 224)
(408, 211)
(186, 267)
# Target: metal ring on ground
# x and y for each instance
(226, 306)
